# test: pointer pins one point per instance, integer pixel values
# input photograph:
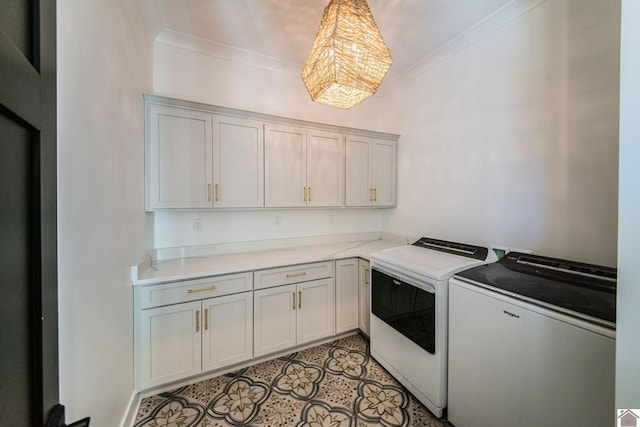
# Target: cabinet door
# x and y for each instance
(227, 330)
(316, 310)
(383, 172)
(364, 306)
(346, 295)
(325, 168)
(285, 166)
(238, 153)
(179, 158)
(358, 166)
(274, 319)
(170, 343)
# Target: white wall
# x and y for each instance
(513, 139)
(510, 141)
(175, 229)
(104, 66)
(192, 75)
(628, 333)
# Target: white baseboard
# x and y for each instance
(129, 417)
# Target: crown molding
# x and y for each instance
(225, 52)
(470, 36)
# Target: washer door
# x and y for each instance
(407, 308)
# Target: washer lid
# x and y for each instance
(426, 262)
(575, 288)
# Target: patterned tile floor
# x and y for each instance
(333, 385)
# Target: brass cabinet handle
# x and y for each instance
(309, 195)
(366, 276)
(209, 192)
(371, 194)
(305, 194)
(217, 192)
(197, 320)
(300, 299)
(289, 276)
(206, 319)
(375, 194)
(210, 288)
(293, 294)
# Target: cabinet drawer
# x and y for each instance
(191, 290)
(292, 274)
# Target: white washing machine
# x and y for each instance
(532, 343)
(409, 312)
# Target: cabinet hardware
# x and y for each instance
(293, 294)
(210, 288)
(375, 194)
(206, 319)
(305, 194)
(366, 276)
(309, 195)
(209, 192)
(371, 194)
(300, 300)
(217, 192)
(197, 320)
(289, 276)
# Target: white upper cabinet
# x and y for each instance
(238, 152)
(201, 156)
(179, 167)
(325, 168)
(196, 159)
(303, 167)
(285, 166)
(370, 172)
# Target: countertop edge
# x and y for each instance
(167, 271)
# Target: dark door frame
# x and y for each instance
(28, 98)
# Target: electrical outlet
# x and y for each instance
(278, 221)
(197, 224)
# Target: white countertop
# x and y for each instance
(197, 267)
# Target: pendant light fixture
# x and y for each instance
(348, 59)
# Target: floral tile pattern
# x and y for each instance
(332, 385)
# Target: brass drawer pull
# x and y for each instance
(305, 194)
(197, 320)
(293, 294)
(289, 276)
(366, 276)
(300, 300)
(375, 194)
(217, 192)
(210, 288)
(309, 199)
(206, 319)
(209, 192)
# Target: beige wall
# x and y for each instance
(513, 139)
(104, 65)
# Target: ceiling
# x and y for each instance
(284, 29)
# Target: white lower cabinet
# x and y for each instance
(197, 326)
(289, 314)
(181, 340)
(364, 306)
(275, 319)
(228, 330)
(170, 345)
(346, 294)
